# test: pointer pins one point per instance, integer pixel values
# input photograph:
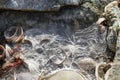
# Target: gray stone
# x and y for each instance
(45, 5)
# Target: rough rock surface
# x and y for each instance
(114, 73)
(45, 5)
(68, 19)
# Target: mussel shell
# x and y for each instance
(59, 58)
(66, 75)
(8, 51)
(10, 32)
(2, 51)
(41, 75)
(111, 39)
(14, 34)
(46, 39)
(20, 34)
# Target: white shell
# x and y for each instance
(66, 75)
(100, 20)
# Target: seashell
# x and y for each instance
(66, 75)
(14, 34)
(8, 51)
(102, 28)
(100, 20)
(46, 39)
(20, 34)
(24, 76)
(2, 51)
(59, 59)
(101, 69)
(87, 64)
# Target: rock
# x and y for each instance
(40, 5)
(114, 73)
(67, 20)
(113, 39)
(43, 5)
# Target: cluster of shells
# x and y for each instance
(20, 50)
(27, 56)
(9, 53)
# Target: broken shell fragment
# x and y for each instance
(41, 75)
(87, 64)
(100, 20)
(59, 58)
(111, 39)
(46, 39)
(8, 51)
(102, 28)
(20, 34)
(14, 34)
(66, 75)
(2, 51)
(101, 69)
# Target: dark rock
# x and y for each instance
(44, 5)
(39, 50)
(41, 5)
